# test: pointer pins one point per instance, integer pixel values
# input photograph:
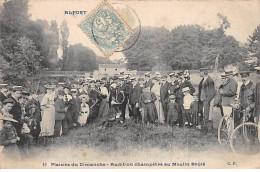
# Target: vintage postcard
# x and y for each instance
(129, 84)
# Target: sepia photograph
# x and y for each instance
(129, 84)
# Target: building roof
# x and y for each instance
(112, 65)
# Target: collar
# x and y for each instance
(206, 77)
(247, 82)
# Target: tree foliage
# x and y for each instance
(186, 46)
(254, 44)
(27, 46)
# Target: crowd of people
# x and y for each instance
(149, 99)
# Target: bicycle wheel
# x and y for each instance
(244, 139)
(225, 129)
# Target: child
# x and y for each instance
(60, 110)
(196, 118)
(147, 105)
(8, 138)
(187, 100)
(84, 114)
(174, 110)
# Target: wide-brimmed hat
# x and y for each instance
(185, 89)
(8, 118)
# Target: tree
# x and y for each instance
(81, 59)
(24, 63)
(64, 41)
(254, 45)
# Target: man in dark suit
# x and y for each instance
(16, 110)
(206, 94)
(134, 100)
(164, 95)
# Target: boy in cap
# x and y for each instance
(174, 111)
(9, 137)
(60, 120)
(187, 100)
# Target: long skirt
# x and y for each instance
(48, 121)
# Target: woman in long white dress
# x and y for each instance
(48, 112)
(156, 89)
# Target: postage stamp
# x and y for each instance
(106, 29)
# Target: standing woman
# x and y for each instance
(48, 112)
(158, 104)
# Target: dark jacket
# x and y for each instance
(59, 109)
(257, 102)
(2, 97)
(16, 111)
(229, 92)
(246, 95)
(135, 94)
(209, 89)
(37, 113)
(6, 135)
(164, 91)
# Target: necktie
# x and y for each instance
(66, 98)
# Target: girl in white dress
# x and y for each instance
(48, 112)
(84, 114)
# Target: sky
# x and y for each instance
(244, 15)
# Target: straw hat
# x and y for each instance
(8, 118)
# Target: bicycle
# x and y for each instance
(242, 139)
